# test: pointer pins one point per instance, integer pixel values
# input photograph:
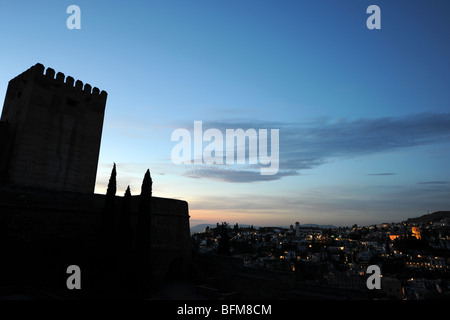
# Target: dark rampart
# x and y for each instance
(42, 232)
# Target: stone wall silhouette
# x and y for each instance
(42, 232)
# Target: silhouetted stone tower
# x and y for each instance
(50, 131)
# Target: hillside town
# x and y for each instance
(413, 255)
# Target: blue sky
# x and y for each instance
(363, 114)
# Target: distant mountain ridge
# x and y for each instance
(201, 227)
(320, 226)
(431, 217)
(426, 218)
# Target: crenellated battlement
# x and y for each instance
(56, 126)
(38, 70)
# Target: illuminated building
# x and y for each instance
(416, 232)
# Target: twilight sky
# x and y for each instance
(363, 115)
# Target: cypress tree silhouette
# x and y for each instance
(124, 223)
(105, 266)
(108, 215)
(124, 242)
(144, 221)
(143, 235)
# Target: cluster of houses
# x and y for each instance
(414, 258)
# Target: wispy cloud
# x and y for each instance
(233, 175)
(433, 182)
(307, 145)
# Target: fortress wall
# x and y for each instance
(60, 228)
